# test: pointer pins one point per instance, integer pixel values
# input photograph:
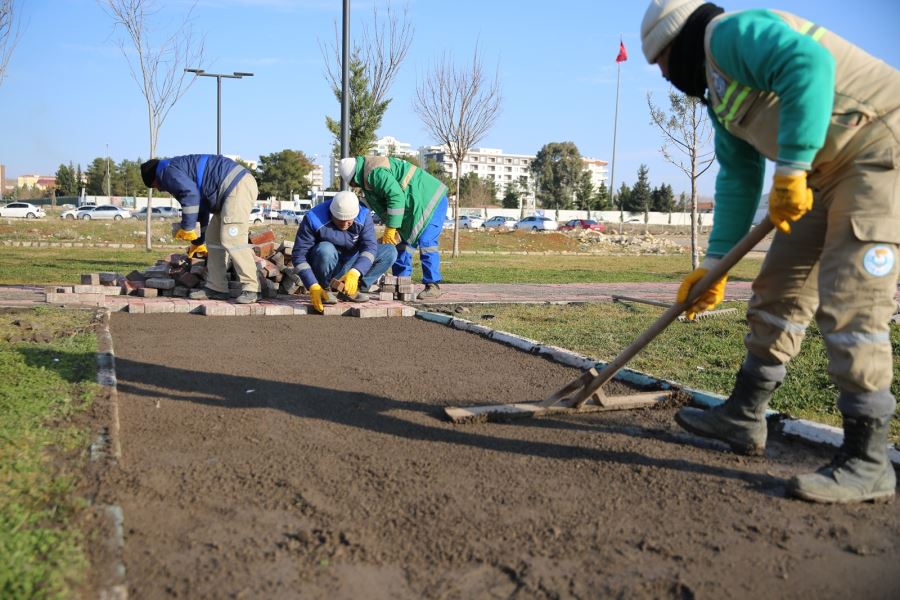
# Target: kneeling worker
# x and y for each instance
(209, 185)
(336, 239)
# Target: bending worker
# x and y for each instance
(336, 239)
(779, 87)
(411, 202)
(215, 190)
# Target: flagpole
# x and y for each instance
(612, 174)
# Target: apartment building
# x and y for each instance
(599, 170)
(487, 163)
(316, 178)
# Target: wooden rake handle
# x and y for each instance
(747, 243)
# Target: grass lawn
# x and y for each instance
(703, 355)
(47, 378)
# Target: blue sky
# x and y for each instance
(69, 93)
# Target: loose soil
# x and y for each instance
(285, 457)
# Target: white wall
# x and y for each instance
(609, 216)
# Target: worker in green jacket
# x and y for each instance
(410, 202)
(782, 88)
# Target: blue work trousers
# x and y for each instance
(428, 248)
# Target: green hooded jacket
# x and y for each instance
(403, 195)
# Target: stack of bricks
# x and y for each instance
(397, 288)
(177, 275)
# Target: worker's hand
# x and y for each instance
(197, 251)
(351, 282)
(390, 236)
(790, 199)
(709, 299)
(317, 296)
(184, 234)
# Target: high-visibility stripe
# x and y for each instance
(778, 322)
(737, 104)
(304, 267)
(818, 33)
(368, 255)
(853, 338)
(409, 175)
(426, 214)
(730, 90)
(232, 174)
(396, 211)
(190, 210)
(804, 29)
(428, 249)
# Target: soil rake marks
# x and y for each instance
(585, 390)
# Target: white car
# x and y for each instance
(22, 210)
(257, 215)
(537, 223)
(72, 213)
(499, 222)
(102, 211)
(467, 222)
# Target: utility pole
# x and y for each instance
(108, 195)
(345, 90)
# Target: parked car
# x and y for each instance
(467, 222)
(294, 217)
(270, 213)
(537, 223)
(22, 210)
(448, 223)
(582, 224)
(72, 213)
(499, 222)
(161, 212)
(257, 215)
(102, 211)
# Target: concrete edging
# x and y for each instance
(810, 431)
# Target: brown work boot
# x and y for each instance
(359, 297)
(740, 421)
(205, 293)
(431, 291)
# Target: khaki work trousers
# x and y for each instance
(226, 236)
(840, 264)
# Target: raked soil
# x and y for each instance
(307, 457)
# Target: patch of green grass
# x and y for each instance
(43, 385)
(703, 355)
(51, 266)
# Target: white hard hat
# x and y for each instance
(347, 168)
(662, 22)
(344, 206)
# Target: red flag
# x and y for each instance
(623, 55)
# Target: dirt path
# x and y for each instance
(284, 457)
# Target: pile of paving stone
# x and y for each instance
(177, 275)
(595, 241)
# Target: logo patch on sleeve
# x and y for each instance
(879, 260)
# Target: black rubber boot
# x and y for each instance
(860, 471)
(740, 421)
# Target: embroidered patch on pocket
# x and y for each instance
(233, 230)
(879, 260)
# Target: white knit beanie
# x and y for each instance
(347, 168)
(344, 206)
(662, 22)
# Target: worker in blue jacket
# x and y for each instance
(336, 239)
(218, 191)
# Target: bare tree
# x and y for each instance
(458, 106)
(382, 49)
(158, 69)
(9, 33)
(688, 130)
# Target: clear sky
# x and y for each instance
(69, 93)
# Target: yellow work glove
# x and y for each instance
(390, 236)
(317, 296)
(198, 251)
(184, 234)
(709, 299)
(351, 282)
(790, 199)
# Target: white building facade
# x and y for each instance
(488, 163)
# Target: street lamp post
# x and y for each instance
(218, 76)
